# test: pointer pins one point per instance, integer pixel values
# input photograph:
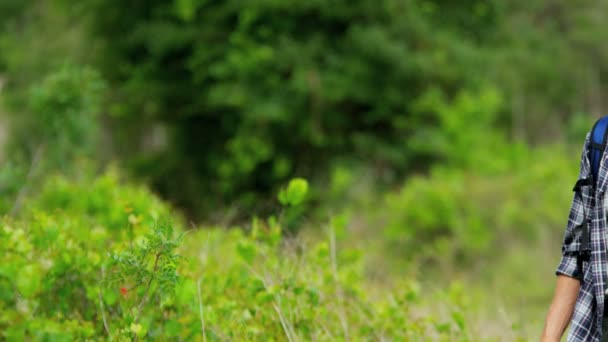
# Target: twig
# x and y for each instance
(200, 308)
(103, 313)
(145, 296)
(334, 267)
(283, 323)
(30, 175)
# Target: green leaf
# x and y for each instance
(246, 251)
(29, 280)
(295, 193)
(138, 329)
(458, 318)
(186, 9)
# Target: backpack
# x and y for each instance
(595, 150)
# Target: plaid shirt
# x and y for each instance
(588, 313)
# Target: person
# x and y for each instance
(578, 300)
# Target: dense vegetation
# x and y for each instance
(230, 91)
(152, 153)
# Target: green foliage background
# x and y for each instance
(439, 143)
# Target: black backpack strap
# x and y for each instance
(597, 145)
(584, 251)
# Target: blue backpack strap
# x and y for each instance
(597, 145)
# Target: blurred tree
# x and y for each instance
(255, 92)
(550, 62)
(218, 101)
(9, 10)
(61, 127)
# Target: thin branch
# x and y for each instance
(145, 296)
(334, 267)
(283, 323)
(200, 308)
(103, 313)
(30, 175)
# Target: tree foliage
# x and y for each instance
(255, 92)
(219, 102)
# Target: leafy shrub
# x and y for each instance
(65, 106)
(61, 127)
(465, 214)
(57, 259)
(488, 190)
(101, 200)
(108, 263)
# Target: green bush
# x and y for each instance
(58, 129)
(487, 191)
(93, 258)
(101, 200)
(63, 113)
(468, 214)
(62, 250)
